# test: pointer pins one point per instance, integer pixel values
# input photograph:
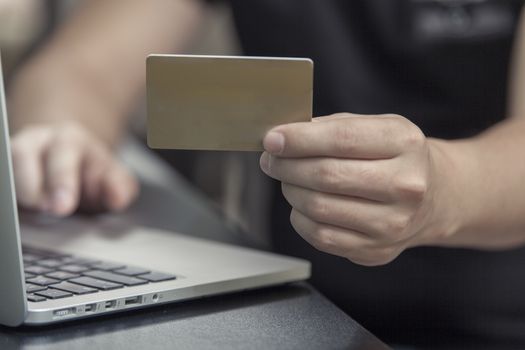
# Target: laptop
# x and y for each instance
(53, 274)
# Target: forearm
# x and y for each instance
(93, 67)
(482, 201)
(46, 93)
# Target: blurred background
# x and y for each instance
(231, 180)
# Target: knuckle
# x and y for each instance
(316, 207)
(372, 176)
(408, 133)
(387, 255)
(414, 188)
(323, 239)
(384, 256)
(397, 225)
(328, 176)
(31, 136)
(414, 138)
(344, 138)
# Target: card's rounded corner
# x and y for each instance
(150, 143)
(150, 57)
(309, 61)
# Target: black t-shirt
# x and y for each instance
(444, 65)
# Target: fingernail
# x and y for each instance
(265, 162)
(61, 201)
(274, 142)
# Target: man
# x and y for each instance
(363, 187)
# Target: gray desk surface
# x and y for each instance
(294, 316)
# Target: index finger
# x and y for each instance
(342, 136)
(62, 167)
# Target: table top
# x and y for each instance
(293, 316)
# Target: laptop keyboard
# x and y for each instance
(52, 275)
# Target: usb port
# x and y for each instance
(89, 308)
(133, 300)
(110, 304)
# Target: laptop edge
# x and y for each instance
(12, 295)
(236, 268)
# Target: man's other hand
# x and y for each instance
(59, 167)
(361, 187)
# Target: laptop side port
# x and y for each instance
(90, 307)
(110, 304)
(133, 301)
(64, 312)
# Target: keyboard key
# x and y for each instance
(37, 270)
(35, 298)
(74, 288)
(157, 277)
(62, 275)
(107, 266)
(53, 294)
(51, 263)
(42, 280)
(113, 277)
(91, 282)
(74, 268)
(31, 288)
(131, 271)
(29, 275)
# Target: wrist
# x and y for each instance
(448, 212)
(41, 94)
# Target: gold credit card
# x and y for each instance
(224, 102)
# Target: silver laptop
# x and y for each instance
(53, 274)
